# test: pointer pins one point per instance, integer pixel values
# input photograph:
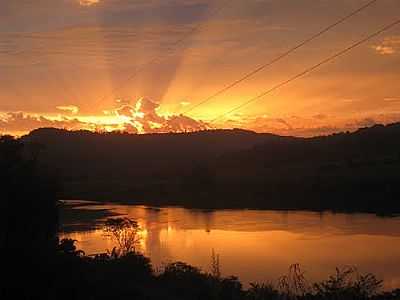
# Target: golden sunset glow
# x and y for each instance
(200, 149)
(93, 72)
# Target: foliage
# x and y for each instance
(347, 283)
(215, 265)
(67, 246)
(262, 291)
(294, 283)
(125, 232)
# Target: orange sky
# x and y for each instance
(66, 63)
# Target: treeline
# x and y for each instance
(229, 168)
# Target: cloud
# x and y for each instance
(389, 46)
(23, 122)
(385, 50)
(366, 122)
(144, 116)
(122, 101)
(313, 125)
(126, 111)
(88, 2)
(320, 116)
(69, 108)
(351, 100)
(184, 103)
(392, 99)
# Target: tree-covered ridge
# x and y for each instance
(356, 171)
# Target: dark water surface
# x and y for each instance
(255, 245)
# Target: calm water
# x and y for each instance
(257, 245)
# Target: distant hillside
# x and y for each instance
(78, 153)
(125, 166)
(229, 168)
(357, 171)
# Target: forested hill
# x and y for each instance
(78, 153)
(229, 168)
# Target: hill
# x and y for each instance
(125, 167)
(229, 168)
(345, 172)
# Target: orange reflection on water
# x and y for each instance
(260, 245)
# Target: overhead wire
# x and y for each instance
(281, 56)
(309, 70)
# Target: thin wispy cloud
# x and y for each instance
(389, 46)
(88, 2)
(69, 108)
(392, 99)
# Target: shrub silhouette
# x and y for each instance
(262, 291)
(125, 232)
(67, 246)
(294, 284)
(348, 284)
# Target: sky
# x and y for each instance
(141, 66)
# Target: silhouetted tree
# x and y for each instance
(125, 232)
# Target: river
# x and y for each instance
(255, 245)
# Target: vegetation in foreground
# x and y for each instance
(131, 276)
(35, 265)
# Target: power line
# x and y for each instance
(308, 70)
(283, 55)
(171, 47)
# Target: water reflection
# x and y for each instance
(258, 245)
